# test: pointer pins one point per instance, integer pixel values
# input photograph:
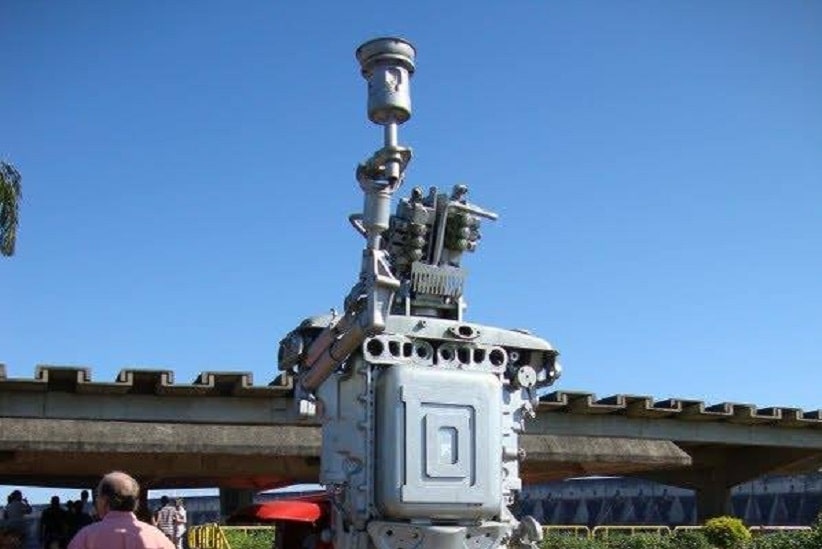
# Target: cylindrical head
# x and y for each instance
(387, 64)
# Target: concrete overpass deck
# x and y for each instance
(62, 428)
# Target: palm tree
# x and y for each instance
(10, 194)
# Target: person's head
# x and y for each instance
(16, 495)
(117, 491)
(55, 501)
(84, 495)
(164, 501)
(178, 503)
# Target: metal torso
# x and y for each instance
(420, 409)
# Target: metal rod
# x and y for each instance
(390, 134)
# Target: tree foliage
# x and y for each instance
(10, 194)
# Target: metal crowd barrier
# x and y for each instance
(687, 527)
(207, 536)
(583, 531)
(213, 535)
(762, 530)
(605, 531)
(578, 530)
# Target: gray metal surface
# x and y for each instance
(387, 64)
(448, 462)
(420, 410)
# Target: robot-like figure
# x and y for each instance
(420, 410)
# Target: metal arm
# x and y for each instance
(387, 64)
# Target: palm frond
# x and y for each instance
(11, 192)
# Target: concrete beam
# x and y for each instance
(76, 452)
(68, 435)
(550, 457)
(678, 430)
(148, 407)
(732, 465)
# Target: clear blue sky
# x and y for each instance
(188, 171)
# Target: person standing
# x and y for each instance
(15, 514)
(180, 524)
(53, 525)
(78, 519)
(84, 502)
(116, 500)
(165, 517)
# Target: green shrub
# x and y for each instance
(689, 539)
(785, 540)
(816, 535)
(638, 541)
(727, 533)
(570, 541)
(250, 539)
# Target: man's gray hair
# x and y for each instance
(121, 490)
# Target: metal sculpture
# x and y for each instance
(420, 409)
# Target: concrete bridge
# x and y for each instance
(61, 428)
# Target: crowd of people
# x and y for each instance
(59, 524)
(109, 521)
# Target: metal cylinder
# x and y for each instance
(387, 64)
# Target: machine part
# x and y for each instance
(441, 281)
(434, 441)
(388, 349)
(421, 411)
(387, 535)
(387, 64)
(307, 407)
(291, 351)
(528, 532)
(464, 331)
(526, 377)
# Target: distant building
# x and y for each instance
(794, 500)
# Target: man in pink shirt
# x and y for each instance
(117, 498)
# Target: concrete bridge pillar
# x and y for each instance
(716, 469)
(232, 499)
(712, 500)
